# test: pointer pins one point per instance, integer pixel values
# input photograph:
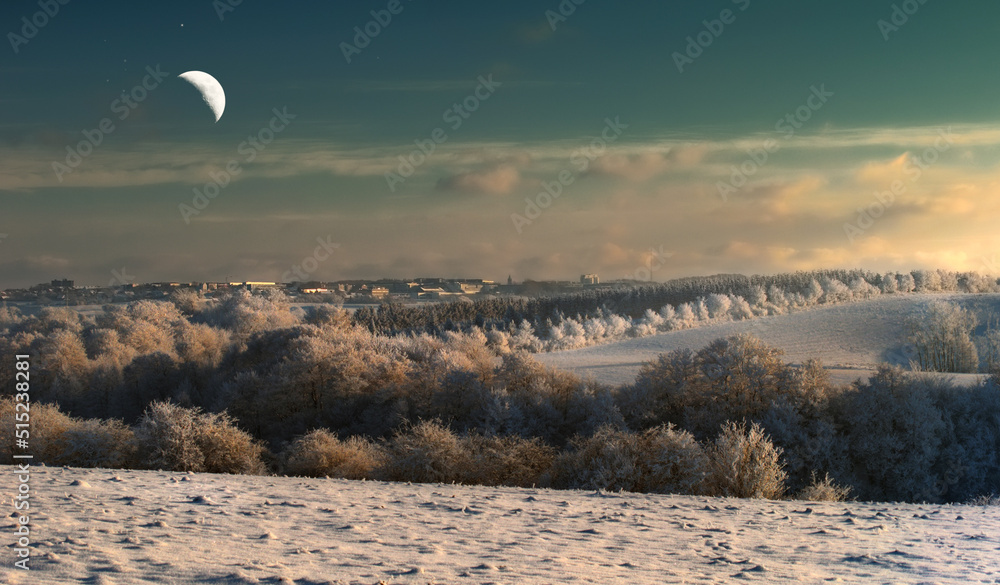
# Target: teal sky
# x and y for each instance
(883, 97)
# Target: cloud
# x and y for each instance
(637, 167)
(645, 165)
(784, 198)
(881, 173)
(535, 32)
(498, 180)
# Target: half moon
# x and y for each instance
(210, 88)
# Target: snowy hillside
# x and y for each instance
(123, 527)
(850, 339)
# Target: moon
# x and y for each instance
(210, 88)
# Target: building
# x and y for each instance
(588, 279)
(65, 283)
(252, 285)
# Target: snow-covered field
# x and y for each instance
(121, 527)
(850, 339)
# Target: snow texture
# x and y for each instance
(124, 527)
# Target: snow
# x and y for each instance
(850, 339)
(123, 527)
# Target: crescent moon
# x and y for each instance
(210, 88)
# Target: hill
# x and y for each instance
(850, 339)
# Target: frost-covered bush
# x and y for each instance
(743, 463)
(507, 461)
(99, 443)
(607, 460)
(186, 439)
(823, 490)
(428, 452)
(673, 462)
(59, 439)
(47, 432)
(660, 460)
(320, 453)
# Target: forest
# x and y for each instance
(245, 385)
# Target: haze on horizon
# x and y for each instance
(889, 107)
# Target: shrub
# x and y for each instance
(507, 461)
(607, 460)
(745, 464)
(48, 431)
(186, 439)
(823, 490)
(660, 460)
(428, 452)
(985, 500)
(673, 462)
(59, 439)
(100, 443)
(320, 453)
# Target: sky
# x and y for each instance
(542, 140)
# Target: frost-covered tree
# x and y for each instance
(889, 284)
(895, 432)
(907, 283)
(718, 306)
(942, 338)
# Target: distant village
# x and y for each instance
(66, 292)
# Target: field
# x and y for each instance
(122, 527)
(850, 339)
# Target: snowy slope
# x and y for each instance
(850, 339)
(122, 527)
